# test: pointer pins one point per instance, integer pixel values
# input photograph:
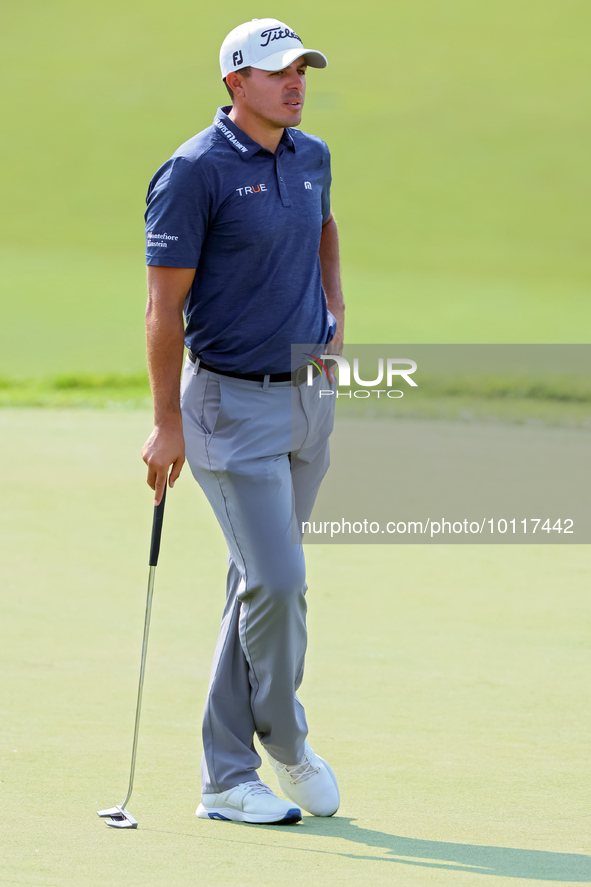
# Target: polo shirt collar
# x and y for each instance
(243, 144)
(287, 140)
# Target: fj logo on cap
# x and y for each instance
(237, 57)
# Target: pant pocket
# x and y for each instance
(211, 402)
(201, 398)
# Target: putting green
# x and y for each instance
(448, 687)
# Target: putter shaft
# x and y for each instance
(118, 816)
(140, 689)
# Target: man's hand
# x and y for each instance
(335, 346)
(164, 447)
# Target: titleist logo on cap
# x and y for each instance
(278, 34)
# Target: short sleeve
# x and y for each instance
(177, 215)
(326, 186)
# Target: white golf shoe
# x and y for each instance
(248, 802)
(311, 783)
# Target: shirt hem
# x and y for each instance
(169, 262)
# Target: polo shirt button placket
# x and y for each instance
(281, 184)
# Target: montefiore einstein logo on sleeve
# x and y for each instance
(160, 239)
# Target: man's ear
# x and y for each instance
(235, 81)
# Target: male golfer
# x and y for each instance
(240, 235)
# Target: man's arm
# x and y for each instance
(167, 289)
(331, 278)
(331, 281)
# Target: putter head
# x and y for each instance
(118, 817)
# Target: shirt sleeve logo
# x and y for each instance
(254, 189)
(308, 186)
(159, 239)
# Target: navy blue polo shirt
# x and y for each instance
(250, 222)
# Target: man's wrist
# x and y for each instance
(170, 421)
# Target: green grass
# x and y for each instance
(556, 400)
(458, 132)
(563, 400)
(77, 390)
(466, 408)
(448, 686)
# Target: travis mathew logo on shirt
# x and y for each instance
(229, 135)
(278, 34)
(255, 189)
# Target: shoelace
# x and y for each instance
(299, 772)
(259, 788)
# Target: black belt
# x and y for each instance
(297, 378)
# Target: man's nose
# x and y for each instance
(296, 81)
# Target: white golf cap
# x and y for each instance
(267, 44)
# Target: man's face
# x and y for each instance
(277, 96)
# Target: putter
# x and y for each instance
(119, 816)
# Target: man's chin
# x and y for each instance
(293, 119)
(285, 118)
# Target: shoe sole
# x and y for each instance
(228, 814)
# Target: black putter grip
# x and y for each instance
(157, 530)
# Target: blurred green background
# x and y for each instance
(460, 141)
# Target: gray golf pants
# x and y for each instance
(259, 451)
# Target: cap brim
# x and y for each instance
(283, 59)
